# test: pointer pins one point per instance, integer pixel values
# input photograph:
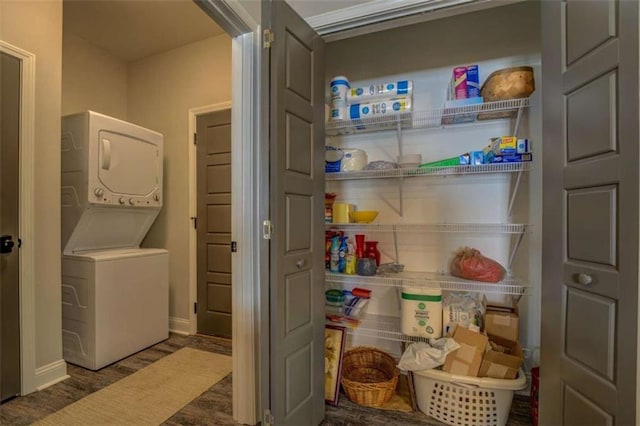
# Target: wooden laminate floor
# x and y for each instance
(213, 407)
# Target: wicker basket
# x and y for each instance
(369, 376)
(504, 84)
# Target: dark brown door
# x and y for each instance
(590, 213)
(296, 142)
(9, 214)
(214, 222)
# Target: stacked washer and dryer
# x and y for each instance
(115, 295)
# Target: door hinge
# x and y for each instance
(234, 247)
(267, 38)
(268, 418)
(267, 229)
(195, 307)
(195, 139)
(195, 222)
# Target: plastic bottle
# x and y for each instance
(350, 262)
(342, 254)
(335, 254)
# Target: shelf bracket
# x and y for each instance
(514, 193)
(395, 245)
(516, 247)
(401, 180)
(518, 117)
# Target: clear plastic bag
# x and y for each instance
(470, 264)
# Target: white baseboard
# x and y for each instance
(179, 326)
(51, 374)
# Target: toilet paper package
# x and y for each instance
(403, 88)
(380, 108)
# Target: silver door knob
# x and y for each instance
(299, 263)
(585, 279)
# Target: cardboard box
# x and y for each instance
(499, 364)
(466, 360)
(501, 321)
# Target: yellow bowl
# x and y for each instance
(363, 216)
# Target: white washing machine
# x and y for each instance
(115, 294)
(115, 303)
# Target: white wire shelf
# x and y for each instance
(467, 228)
(430, 280)
(432, 171)
(434, 118)
(383, 327)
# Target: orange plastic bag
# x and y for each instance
(470, 264)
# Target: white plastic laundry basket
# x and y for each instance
(466, 401)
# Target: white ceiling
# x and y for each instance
(132, 29)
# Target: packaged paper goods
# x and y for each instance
(380, 91)
(422, 312)
(379, 108)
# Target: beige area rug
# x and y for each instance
(148, 396)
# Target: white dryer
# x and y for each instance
(115, 294)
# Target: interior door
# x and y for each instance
(214, 222)
(296, 120)
(9, 215)
(590, 213)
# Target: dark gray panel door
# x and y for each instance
(214, 222)
(590, 213)
(296, 210)
(9, 215)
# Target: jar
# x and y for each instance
(366, 266)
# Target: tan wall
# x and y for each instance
(36, 26)
(162, 89)
(92, 79)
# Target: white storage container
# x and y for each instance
(464, 400)
(421, 312)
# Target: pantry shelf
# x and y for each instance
(430, 280)
(432, 171)
(383, 327)
(434, 118)
(477, 228)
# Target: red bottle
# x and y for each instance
(372, 251)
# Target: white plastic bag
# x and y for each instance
(424, 356)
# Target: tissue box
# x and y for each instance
(502, 360)
(466, 360)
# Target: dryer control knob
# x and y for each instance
(156, 197)
(121, 200)
(131, 201)
(98, 192)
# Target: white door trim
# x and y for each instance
(193, 206)
(27, 285)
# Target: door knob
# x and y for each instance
(6, 244)
(585, 279)
(299, 263)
